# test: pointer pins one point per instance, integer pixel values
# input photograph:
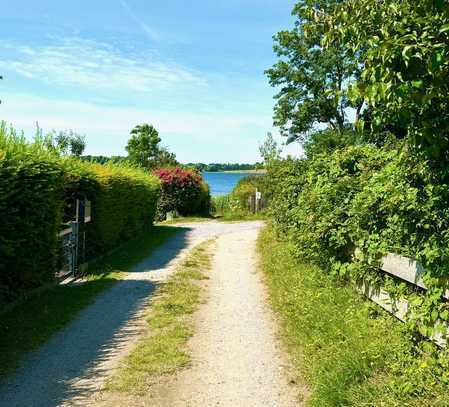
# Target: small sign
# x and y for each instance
(258, 195)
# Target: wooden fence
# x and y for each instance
(407, 270)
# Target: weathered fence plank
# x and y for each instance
(407, 270)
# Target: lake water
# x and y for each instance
(222, 183)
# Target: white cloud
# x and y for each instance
(193, 136)
(94, 65)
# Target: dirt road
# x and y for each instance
(236, 358)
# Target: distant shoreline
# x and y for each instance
(263, 171)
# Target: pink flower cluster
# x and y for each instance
(178, 176)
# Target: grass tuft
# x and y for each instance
(162, 350)
(348, 350)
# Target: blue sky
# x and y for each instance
(194, 69)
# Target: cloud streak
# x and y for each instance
(94, 65)
(151, 34)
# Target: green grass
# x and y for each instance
(30, 323)
(225, 217)
(349, 351)
(162, 351)
(187, 219)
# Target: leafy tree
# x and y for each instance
(165, 158)
(143, 146)
(67, 142)
(270, 150)
(328, 140)
(77, 145)
(144, 150)
(312, 79)
(62, 140)
(403, 48)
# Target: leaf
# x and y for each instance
(444, 28)
(405, 50)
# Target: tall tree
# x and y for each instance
(403, 48)
(143, 146)
(312, 79)
(77, 145)
(68, 142)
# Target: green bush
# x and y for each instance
(123, 205)
(345, 210)
(246, 187)
(30, 211)
(38, 189)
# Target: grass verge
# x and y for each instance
(187, 219)
(162, 351)
(349, 351)
(223, 217)
(30, 323)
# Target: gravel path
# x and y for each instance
(75, 362)
(236, 357)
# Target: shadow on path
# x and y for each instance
(74, 361)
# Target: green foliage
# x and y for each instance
(403, 50)
(246, 187)
(347, 350)
(37, 191)
(143, 145)
(69, 142)
(183, 191)
(345, 210)
(269, 150)
(144, 150)
(327, 141)
(123, 205)
(31, 183)
(235, 206)
(312, 79)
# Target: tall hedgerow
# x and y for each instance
(123, 205)
(38, 189)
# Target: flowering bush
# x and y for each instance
(183, 191)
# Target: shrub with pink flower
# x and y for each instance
(182, 190)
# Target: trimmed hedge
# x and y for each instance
(37, 192)
(184, 191)
(123, 206)
(30, 213)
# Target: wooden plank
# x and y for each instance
(381, 297)
(397, 308)
(406, 269)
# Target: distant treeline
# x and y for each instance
(216, 167)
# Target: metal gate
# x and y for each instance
(73, 241)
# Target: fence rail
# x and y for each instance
(407, 270)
